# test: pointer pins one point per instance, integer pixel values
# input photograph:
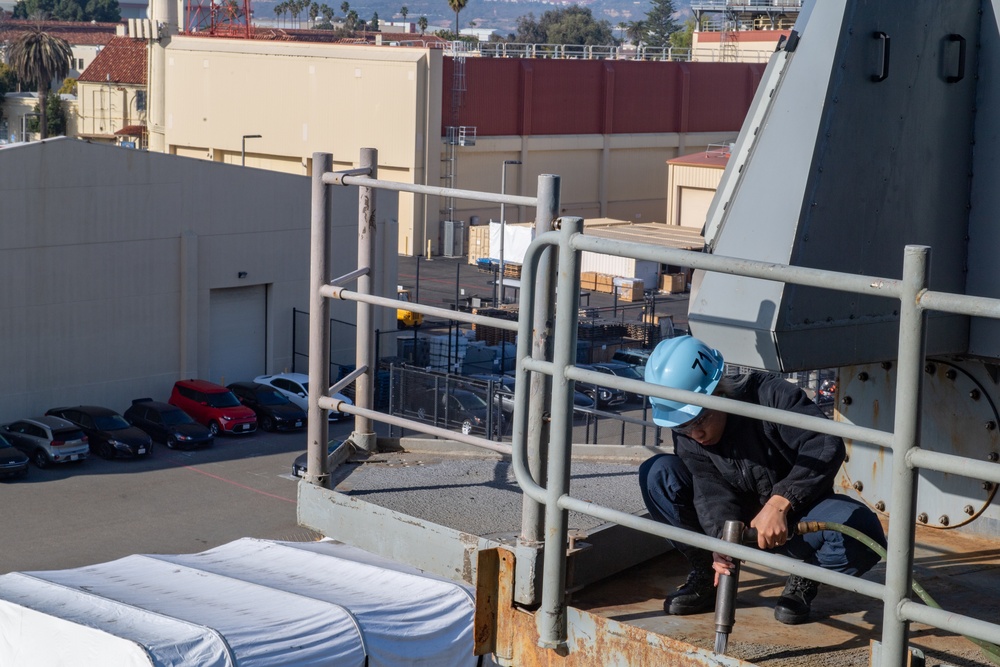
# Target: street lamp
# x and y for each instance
(243, 151)
(503, 221)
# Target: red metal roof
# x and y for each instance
(710, 158)
(76, 33)
(123, 60)
(132, 131)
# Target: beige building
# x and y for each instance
(691, 184)
(337, 98)
(111, 95)
(19, 109)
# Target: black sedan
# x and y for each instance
(605, 397)
(109, 434)
(13, 462)
(273, 409)
(168, 424)
(301, 461)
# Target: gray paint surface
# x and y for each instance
(841, 173)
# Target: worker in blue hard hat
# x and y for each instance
(767, 475)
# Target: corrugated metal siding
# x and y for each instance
(719, 95)
(609, 264)
(650, 99)
(695, 177)
(507, 96)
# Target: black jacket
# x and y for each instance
(755, 460)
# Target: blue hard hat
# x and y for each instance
(682, 363)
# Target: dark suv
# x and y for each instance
(109, 434)
(214, 406)
(168, 424)
(273, 409)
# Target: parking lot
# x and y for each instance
(172, 502)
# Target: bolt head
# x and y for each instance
(969, 509)
(922, 517)
(880, 506)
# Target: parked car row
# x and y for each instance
(195, 414)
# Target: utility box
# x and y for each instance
(453, 238)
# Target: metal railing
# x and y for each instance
(545, 359)
(904, 441)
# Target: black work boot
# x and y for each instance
(697, 595)
(795, 601)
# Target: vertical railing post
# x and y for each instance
(317, 468)
(906, 429)
(364, 435)
(532, 517)
(551, 616)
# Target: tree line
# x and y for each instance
(102, 11)
(576, 25)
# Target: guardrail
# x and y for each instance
(545, 360)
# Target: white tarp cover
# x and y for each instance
(249, 603)
(516, 240)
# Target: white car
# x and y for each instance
(47, 440)
(296, 387)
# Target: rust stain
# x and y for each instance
(593, 641)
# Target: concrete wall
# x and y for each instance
(110, 256)
(615, 176)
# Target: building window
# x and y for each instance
(79, 64)
(140, 100)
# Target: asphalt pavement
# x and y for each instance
(170, 502)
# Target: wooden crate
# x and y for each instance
(629, 289)
(673, 283)
(588, 280)
(479, 242)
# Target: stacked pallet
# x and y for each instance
(644, 333)
(511, 270)
(492, 335)
(602, 330)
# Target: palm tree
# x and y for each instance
(404, 10)
(39, 57)
(457, 6)
(635, 31)
(422, 24)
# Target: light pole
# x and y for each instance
(503, 222)
(243, 150)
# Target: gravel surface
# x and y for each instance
(439, 488)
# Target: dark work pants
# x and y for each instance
(668, 491)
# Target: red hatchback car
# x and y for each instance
(214, 406)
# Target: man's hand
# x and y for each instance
(722, 564)
(772, 523)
